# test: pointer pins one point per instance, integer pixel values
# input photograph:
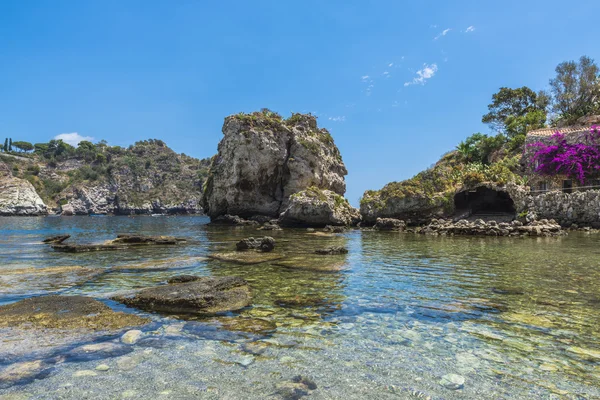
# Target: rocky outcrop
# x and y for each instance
(415, 209)
(201, 296)
(315, 207)
(18, 196)
(393, 203)
(491, 228)
(389, 224)
(263, 159)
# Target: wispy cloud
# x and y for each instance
(386, 74)
(73, 138)
(443, 33)
(364, 78)
(427, 72)
(470, 29)
(341, 118)
(390, 64)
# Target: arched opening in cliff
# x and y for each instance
(484, 203)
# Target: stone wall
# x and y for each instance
(581, 208)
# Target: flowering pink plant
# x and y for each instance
(578, 160)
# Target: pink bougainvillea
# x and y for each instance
(579, 161)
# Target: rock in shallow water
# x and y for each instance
(264, 244)
(65, 312)
(203, 296)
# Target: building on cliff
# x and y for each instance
(575, 134)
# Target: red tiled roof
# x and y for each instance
(566, 130)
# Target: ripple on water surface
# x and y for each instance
(398, 316)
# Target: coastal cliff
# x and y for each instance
(147, 177)
(264, 159)
(18, 196)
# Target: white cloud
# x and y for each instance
(338, 119)
(365, 78)
(390, 64)
(470, 29)
(73, 138)
(427, 72)
(444, 33)
(386, 73)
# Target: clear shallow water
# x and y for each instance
(517, 318)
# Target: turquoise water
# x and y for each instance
(515, 317)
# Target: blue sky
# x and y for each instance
(397, 83)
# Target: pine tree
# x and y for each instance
(10, 144)
(5, 145)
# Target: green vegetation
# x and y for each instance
(145, 171)
(575, 92)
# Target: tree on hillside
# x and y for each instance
(9, 144)
(575, 90)
(6, 144)
(23, 146)
(478, 147)
(510, 108)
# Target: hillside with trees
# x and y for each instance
(146, 177)
(513, 112)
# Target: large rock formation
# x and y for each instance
(264, 159)
(18, 196)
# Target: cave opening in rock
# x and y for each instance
(483, 202)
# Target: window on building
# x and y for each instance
(543, 186)
(567, 186)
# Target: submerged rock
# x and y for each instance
(23, 372)
(452, 381)
(246, 257)
(98, 351)
(264, 159)
(332, 250)
(122, 242)
(257, 326)
(202, 296)
(65, 312)
(316, 207)
(334, 263)
(30, 280)
(265, 244)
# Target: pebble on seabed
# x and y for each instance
(452, 381)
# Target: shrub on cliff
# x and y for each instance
(579, 160)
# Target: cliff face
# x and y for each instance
(263, 159)
(145, 178)
(148, 178)
(18, 196)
